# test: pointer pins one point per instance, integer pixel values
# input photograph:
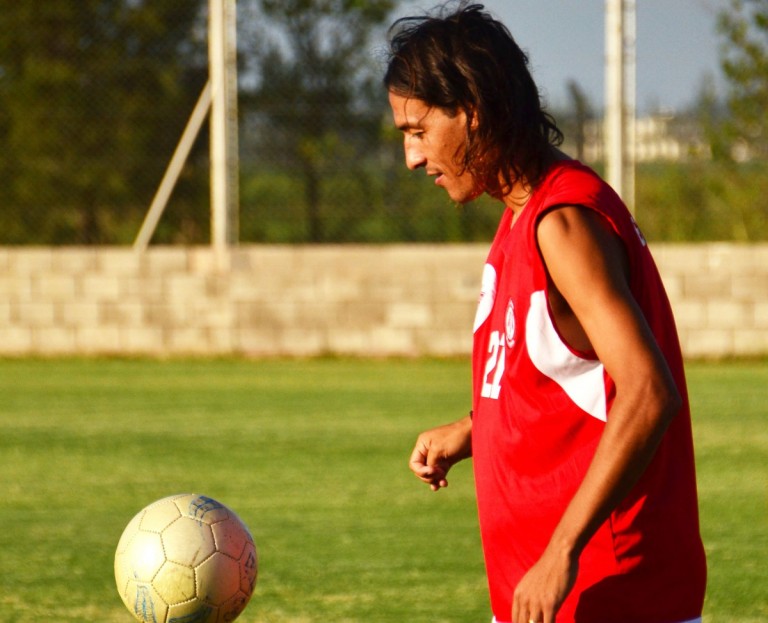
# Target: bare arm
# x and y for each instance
(586, 265)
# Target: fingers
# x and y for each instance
(427, 467)
(438, 449)
(533, 608)
(542, 590)
(531, 614)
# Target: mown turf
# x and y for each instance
(312, 455)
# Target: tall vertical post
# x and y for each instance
(619, 124)
(614, 94)
(630, 99)
(222, 55)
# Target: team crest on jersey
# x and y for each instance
(509, 323)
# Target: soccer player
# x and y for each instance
(580, 427)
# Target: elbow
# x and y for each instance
(669, 402)
(657, 401)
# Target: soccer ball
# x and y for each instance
(186, 559)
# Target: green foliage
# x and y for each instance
(744, 27)
(703, 201)
(312, 455)
(691, 201)
(92, 96)
(315, 108)
(372, 206)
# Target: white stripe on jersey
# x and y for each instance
(581, 379)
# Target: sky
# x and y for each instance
(677, 46)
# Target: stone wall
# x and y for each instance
(393, 300)
(719, 293)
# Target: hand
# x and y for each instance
(543, 589)
(437, 450)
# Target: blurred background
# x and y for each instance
(95, 94)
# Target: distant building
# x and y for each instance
(661, 137)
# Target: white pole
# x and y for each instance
(630, 104)
(614, 94)
(222, 58)
(173, 170)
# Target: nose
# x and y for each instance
(414, 156)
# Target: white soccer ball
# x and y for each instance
(186, 559)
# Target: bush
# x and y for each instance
(703, 201)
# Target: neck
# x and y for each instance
(517, 197)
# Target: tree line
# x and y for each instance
(94, 95)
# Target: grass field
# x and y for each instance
(312, 455)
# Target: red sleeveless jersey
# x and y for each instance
(539, 411)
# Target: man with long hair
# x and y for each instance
(580, 428)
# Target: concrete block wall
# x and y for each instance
(719, 293)
(392, 300)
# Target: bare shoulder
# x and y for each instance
(571, 221)
(580, 239)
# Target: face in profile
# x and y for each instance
(435, 141)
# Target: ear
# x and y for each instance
(472, 118)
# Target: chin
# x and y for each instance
(460, 191)
(465, 197)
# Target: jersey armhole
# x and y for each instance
(584, 354)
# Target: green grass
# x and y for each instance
(312, 455)
(729, 403)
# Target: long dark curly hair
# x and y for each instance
(464, 59)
